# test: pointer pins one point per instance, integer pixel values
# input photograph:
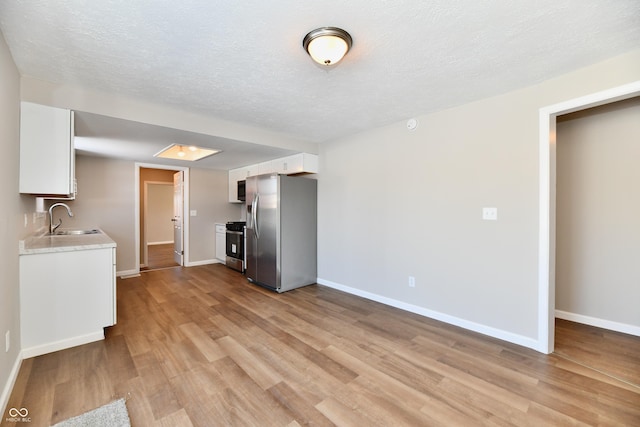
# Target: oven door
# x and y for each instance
(235, 244)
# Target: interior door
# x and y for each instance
(178, 203)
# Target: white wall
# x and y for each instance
(598, 214)
(395, 203)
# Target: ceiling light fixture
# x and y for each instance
(327, 45)
(192, 153)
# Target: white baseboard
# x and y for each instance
(159, 243)
(599, 323)
(125, 274)
(62, 344)
(203, 262)
(452, 320)
(8, 387)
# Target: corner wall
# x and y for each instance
(395, 203)
(12, 227)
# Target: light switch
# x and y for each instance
(490, 214)
(194, 213)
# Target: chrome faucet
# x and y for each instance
(52, 227)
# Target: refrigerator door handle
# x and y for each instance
(255, 215)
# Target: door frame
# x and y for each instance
(185, 209)
(547, 201)
(145, 213)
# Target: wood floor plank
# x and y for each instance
(202, 346)
(297, 406)
(259, 372)
(209, 348)
(178, 418)
(342, 415)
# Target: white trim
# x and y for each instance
(11, 381)
(203, 262)
(599, 323)
(62, 344)
(452, 320)
(185, 210)
(546, 238)
(126, 274)
(159, 243)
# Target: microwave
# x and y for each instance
(242, 191)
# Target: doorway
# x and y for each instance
(157, 223)
(598, 239)
(547, 205)
(162, 225)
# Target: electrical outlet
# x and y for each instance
(490, 214)
(412, 282)
(26, 220)
(7, 341)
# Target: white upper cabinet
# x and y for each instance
(297, 163)
(47, 156)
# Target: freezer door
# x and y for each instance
(251, 247)
(267, 228)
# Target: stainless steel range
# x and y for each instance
(235, 245)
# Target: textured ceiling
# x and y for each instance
(244, 61)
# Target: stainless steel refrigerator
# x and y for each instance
(281, 234)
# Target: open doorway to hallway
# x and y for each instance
(161, 231)
(547, 205)
(157, 225)
(598, 239)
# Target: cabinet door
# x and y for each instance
(65, 296)
(297, 163)
(235, 175)
(47, 157)
(221, 249)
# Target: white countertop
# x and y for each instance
(42, 243)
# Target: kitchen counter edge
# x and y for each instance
(41, 243)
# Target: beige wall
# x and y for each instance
(12, 227)
(395, 203)
(431, 184)
(106, 199)
(209, 193)
(598, 213)
(159, 228)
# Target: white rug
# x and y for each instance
(113, 414)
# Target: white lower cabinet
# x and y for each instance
(66, 298)
(221, 240)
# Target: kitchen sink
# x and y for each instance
(75, 232)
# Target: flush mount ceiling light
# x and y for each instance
(185, 152)
(327, 45)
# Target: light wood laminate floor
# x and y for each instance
(201, 346)
(160, 256)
